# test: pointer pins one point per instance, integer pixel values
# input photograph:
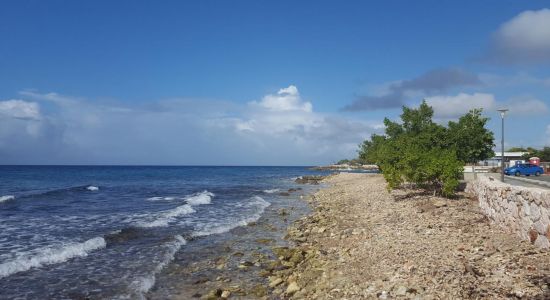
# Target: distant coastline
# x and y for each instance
(346, 167)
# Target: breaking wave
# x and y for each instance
(50, 255)
(92, 188)
(271, 191)
(6, 198)
(204, 197)
(164, 218)
(143, 284)
(161, 198)
(256, 202)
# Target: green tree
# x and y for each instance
(368, 150)
(420, 151)
(517, 149)
(471, 140)
(543, 154)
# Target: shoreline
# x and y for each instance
(232, 264)
(362, 242)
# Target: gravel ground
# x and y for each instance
(362, 242)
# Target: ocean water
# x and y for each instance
(106, 232)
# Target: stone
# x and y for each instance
(292, 288)
(264, 241)
(383, 295)
(540, 227)
(542, 242)
(400, 291)
(225, 294)
(533, 235)
(440, 203)
(213, 294)
(535, 211)
(275, 281)
(259, 291)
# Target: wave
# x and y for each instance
(6, 198)
(271, 191)
(143, 284)
(72, 189)
(204, 197)
(255, 202)
(50, 255)
(161, 198)
(164, 218)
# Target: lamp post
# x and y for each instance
(502, 114)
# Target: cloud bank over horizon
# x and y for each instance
(279, 129)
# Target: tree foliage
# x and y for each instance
(543, 154)
(472, 141)
(418, 150)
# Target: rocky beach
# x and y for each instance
(362, 242)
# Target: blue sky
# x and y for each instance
(256, 82)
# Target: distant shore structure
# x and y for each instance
(346, 167)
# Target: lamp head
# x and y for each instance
(502, 112)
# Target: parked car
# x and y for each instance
(524, 169)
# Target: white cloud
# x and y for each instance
(280, 128)
(526, 105)
(20, 109)
(524, 38)
(286, 99)
(454, 106)
(448, 107)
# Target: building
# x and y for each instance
(510, 159)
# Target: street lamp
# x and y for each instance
(502, 114)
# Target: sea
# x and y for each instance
(136, 232)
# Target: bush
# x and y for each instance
(419, 151)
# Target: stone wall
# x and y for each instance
(521, 210)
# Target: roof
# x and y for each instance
(510, 154)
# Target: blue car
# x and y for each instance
(524, 169)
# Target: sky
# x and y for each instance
(259, 82)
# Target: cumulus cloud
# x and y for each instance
(523, 39)
(279, 128)
(20, 109)
(26, 133)
(449, 107)
(429, 83)
(455, 106)
(286, 99)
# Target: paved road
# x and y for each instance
(542, 177)
(511, 180)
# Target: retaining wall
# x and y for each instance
(521, 210)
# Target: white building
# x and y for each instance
(510, 159)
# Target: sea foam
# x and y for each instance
(271, 191)
(161, 198)
(255, 202)
(143, 284)
(6, 198)
(50, 255)
(164, 218)
(204, 197)
(92, 188)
